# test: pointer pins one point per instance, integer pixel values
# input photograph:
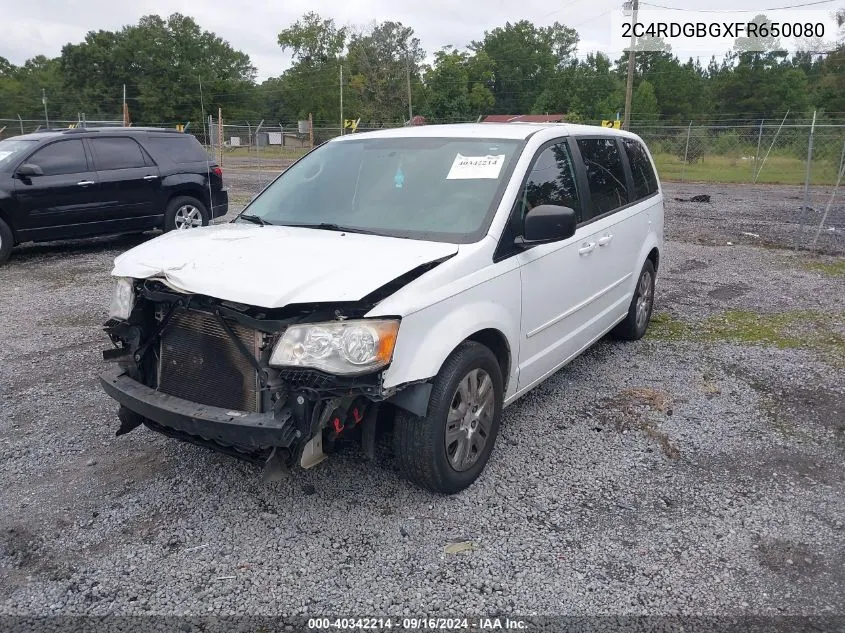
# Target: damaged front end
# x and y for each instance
(267, 385)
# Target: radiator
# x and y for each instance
(200, 362)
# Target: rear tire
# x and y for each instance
(639, 312)
(7, 241)
(185, 212)
(446, 450)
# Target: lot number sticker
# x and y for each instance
(472, 167)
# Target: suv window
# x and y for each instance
(551, 181)
(117, 153)
(645, 182)
(63, 157)
(180, 148)
(605, 174)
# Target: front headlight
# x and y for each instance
(123, 299)
(338, 347)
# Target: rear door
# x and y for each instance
(63, 201)
(612, 216)
(130, 182)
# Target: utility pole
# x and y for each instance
(44, 101)
(341, 100)
(629, 87)
(408, 75)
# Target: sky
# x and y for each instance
(44, 26)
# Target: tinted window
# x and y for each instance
(180, 148)
(117, 153)
(645, 182)
(64, 157)
(605, 174)
(551, 181)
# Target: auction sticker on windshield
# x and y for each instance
(472, 167)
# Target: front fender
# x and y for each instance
(428, 336)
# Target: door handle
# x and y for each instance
(605, 239)
(150, 177)
(85, 183)
(587, 248)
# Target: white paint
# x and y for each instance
(549, 302)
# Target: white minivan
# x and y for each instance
(408, 283)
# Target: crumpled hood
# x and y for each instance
(274, 266)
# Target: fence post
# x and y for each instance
(686, 154)
(258, 154)
(774, 140)
(800, 230)
(21, 122)
(832, 198)
(757, 155)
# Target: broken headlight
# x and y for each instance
(338, 347)
(123, 299)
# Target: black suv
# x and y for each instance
(60, 184)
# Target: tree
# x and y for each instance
(525, 59)
(459, 85)
(162, 64)
(644, 104)
(313, 39)
(382, 59)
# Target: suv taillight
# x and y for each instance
(218, 171)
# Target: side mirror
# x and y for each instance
(28, 169)
(547, 223)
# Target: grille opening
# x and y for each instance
(200, 362)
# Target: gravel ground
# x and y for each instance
(699, 471)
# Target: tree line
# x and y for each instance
(173, 69)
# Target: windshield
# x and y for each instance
(11, 149)
(440, 189)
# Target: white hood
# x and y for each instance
(274, 266)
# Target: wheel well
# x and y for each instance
(197, 194)
(10, 225)
(496, 342)
(654, 256)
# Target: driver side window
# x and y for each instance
(551, 181)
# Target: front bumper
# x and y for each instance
(243, 431)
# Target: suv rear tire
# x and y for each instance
(7, 241)
(634, 326)
(185, 212)
(464, 412)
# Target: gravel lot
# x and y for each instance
(699, 471)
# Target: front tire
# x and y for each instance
(184, 212)
(7, 241)
(446, 450)
(636, 323)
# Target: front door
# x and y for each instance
(559, 307)
(63, 200)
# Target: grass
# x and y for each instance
(831, 269)
(799, 329)
(781, 170)
(269, 151)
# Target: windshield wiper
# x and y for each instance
(254, 219)
(329, 226)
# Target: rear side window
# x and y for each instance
(117, 153)
(551, 181)
(605, 174)
(63, 157)
(645, 182)
(179, 148)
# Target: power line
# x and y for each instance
(792, 6)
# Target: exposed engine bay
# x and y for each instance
(198, 369)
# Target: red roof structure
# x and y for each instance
(524, 118)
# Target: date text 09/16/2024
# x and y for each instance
(418, 624)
